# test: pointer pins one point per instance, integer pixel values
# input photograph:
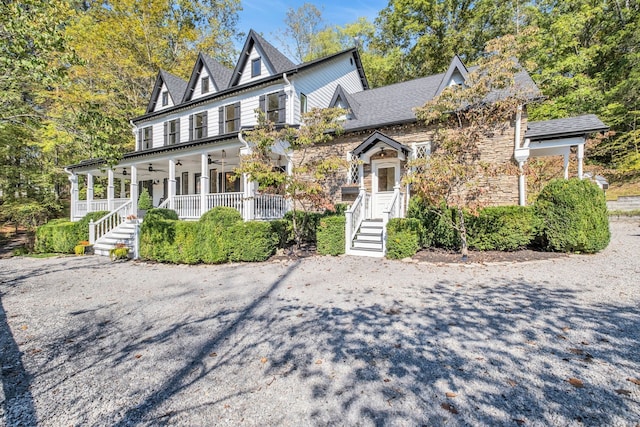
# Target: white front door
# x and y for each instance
(386, 175)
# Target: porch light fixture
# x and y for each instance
(382, 152)
(224, 154)
(124, 172)
(150, 167)
(209, 161)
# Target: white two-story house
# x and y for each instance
(190, 139)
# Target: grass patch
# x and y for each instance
(628, 187)
(38, 256)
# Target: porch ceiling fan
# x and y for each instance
(151, 169)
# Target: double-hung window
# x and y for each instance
(256, 67)
(229, 118)
(274, 105)
(145, 138)
(172, 132)
(204, 85)
(198, 124)
(165, 98)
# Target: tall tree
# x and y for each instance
(301, 26)
(454, 174)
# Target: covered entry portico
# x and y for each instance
(556, 138)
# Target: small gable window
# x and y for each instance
(256, 67)
(229, 118)
(204, 84)
(274, 106)
(165, 98)
(303, 103)
(198, 124)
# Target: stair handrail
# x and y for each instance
(393, 210)
(110, 221)
(354, 217)
(164, 204)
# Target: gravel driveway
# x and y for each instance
(323, 341)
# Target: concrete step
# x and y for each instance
(369, 237)
(367, 245)
(374, 253)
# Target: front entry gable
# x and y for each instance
(376, 143)
(217, 78)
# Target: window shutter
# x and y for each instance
(166, 133)
(237, 116)
(205, 123)
(220, 120)
(263, 103)
(191, 127)
(177, 131)
(282, 107)
(140, 139)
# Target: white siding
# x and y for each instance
(319, 84)
(158, 106)
(245, 77)
(197, 91)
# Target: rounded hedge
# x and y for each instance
(403, 237)
(502, 228)
(330, 235)
(574, 216)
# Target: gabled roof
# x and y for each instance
(456, 65)
(351, 104)
(274, 59)
(564, 128)
(376, 137)
(394, 104)
(218, 73)
(175, 86)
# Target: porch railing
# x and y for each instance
(230, 200)
(109, 222)
(82, 206)
(354, 217)
(186, 206)
(270, 206)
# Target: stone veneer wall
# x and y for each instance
(498, 150)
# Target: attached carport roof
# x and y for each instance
(564, 128)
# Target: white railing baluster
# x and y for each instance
(109, 222)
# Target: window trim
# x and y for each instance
(280, 112)
(224, 120)
(198, 132)
(175, 135)
(255, 61)
(165, 98)
(145, 138)
(304, 103)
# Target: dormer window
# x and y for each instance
(204, 84)
(256, 67)
(303, 103)
(165, 98)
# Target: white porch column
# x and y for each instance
(73, 179)
(522, 185)
(580, 159)
(172, 182)
(204, 183)
(89, 192)
(249, 198)
(361, 176)
(566, 165)
(123, 191)
(290, 201)
(133, 189)
(110, 190)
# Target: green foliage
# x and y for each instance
(157, 236)
(284, 232)
(57, 236)
(82, 226)
(185, 248)
(144, 200)
(222, 216)
(119, 254)
(79, 249)
(161, 213)
(403, 237)
(251, 241)
(503, 228)
(439, 224)
(330, 235)
(215, 226)
(574, 216)
(307, 223)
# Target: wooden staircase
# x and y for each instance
(124, 233)
(368, 240)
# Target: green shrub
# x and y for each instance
(61, 236)
(251, 241)
(185, 248)
(574, 216)
(82, 226)
(307, 224)
(161, 213)
(330, 235)
(502, 228)
(144, 200)
(157, 236)
(213, 235)
(403, 237)
(283, 231)
(438, 224)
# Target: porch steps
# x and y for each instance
(123, 233)
(368, 239)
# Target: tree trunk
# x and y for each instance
(464, 250)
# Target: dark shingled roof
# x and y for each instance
(175, 85)
(220, 74)
(559, 128)
(395, 103)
